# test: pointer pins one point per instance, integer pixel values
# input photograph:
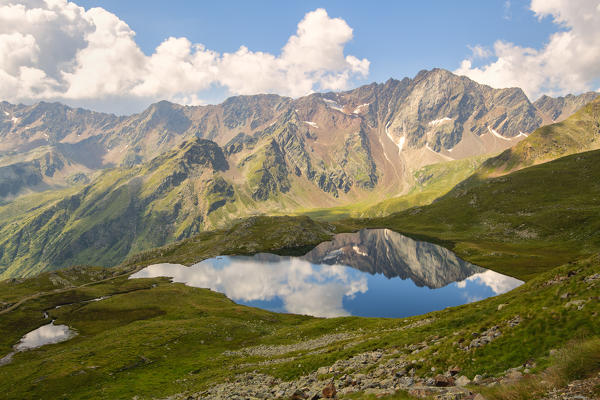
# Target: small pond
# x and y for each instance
(46, 334)
(371, 273)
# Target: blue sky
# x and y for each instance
(120, 56)
(400, 38)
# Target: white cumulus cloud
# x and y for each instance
(57, 50)
(567, 63)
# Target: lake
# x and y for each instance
(371, 273)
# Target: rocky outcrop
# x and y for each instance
(271, 174)
(240, 142)
(358, 162)
(218, 193)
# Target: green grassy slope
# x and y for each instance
(518, 224)
(431, 182)
(580, 132)
(124, 211)
(152, 338)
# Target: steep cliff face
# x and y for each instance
(381, 251)
(578, 133)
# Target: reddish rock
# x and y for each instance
(443, 381)
(329, 391)
(299, 395)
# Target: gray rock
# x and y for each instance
(462, 381)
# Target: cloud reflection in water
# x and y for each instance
(304, 288)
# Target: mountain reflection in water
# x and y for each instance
(375, 273)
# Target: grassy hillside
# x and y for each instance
(518, 224)
(580, 132)
(431, 182)
(124, 211)
(152, 338)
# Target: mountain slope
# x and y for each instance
(560, 108)
(123, 211)
(578, 133)
(518, 224)
(396, 127)
(269, 155)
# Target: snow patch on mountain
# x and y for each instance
(358, 109)
(333, 104)
(440, 121)
(313, 124)
(493, 132)
(400, 142)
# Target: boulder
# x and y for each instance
(462, 381)
(329, 391)
(443, 381)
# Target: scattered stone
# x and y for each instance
(462, 381)
(269, 351)
(585, 389)
(512, 375)
(592, 278)
(577, 303)
(514, 321)
(299, 395)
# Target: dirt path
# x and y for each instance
(42, 294)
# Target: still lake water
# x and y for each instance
(46, 334)
(371, 273)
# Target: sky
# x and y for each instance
(120, 56)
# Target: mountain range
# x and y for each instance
(397, 126)
(123, 184)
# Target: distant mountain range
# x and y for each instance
(390, 129)
(137, 182)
